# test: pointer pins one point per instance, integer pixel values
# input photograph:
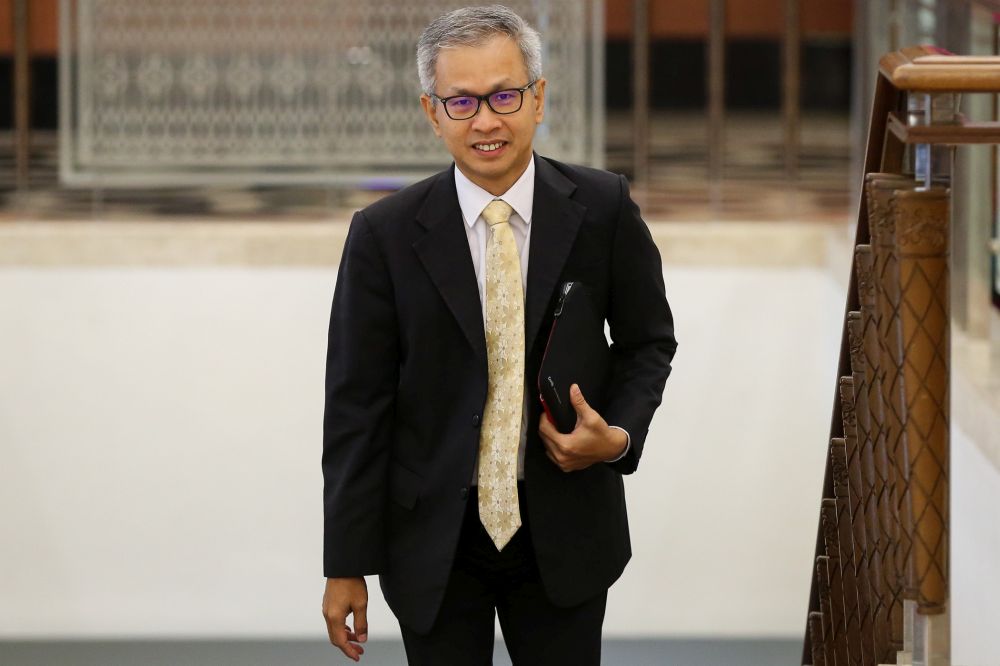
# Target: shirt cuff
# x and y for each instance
(628, 444)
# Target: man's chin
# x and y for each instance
(492, 164)
(483, 169)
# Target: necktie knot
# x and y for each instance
(497, 212)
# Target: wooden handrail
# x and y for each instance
(962, 132)
(880, 592)
(932, 69)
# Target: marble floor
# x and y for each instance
(638, 652)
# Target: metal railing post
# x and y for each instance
(716, 94)
(640, 93)
(791, 81)
(22, 95)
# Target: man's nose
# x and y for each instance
(486, 120)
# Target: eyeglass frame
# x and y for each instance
(485, 98)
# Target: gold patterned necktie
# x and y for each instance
(500, 436)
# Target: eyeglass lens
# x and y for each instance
(502, 101)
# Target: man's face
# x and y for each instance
(494, 65)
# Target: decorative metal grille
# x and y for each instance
(271, 91)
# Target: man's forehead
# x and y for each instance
(482, 68)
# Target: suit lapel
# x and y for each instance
(555, 221)
(444, 252)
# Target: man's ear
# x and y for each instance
(430, 110)
(539, 101)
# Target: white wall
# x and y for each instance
(159, 432)
(725, 504)
(160, 443)
(975, 543)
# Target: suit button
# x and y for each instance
(475, 420)
(464, 493)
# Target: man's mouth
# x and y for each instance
(489, 147)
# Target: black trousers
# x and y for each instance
(485, 582)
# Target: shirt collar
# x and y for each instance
(472, 199)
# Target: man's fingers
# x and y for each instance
(554, 446)
(547, 439)
(343, 597)
(347, 641)
(579, 403)
(352, 651)
(334, 626)
(550, 435)
(550, 444)
(558, 458)
(545, 427)
(361, 622)
(351, 646)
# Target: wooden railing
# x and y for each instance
(880, 592)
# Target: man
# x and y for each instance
(442, 475)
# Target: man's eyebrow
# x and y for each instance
(504, 84)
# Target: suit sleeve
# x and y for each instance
(362, 370)
(642, 331)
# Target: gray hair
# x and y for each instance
(471, 26)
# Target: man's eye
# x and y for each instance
(461, 102)
(503, 96)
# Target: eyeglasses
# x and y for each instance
(463, 107)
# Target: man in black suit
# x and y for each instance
(442, 474)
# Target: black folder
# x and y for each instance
(576, 353)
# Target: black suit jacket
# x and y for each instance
(407, 375)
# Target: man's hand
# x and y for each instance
(342, 597)
(592, 440)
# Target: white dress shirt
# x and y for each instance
(472, 199)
